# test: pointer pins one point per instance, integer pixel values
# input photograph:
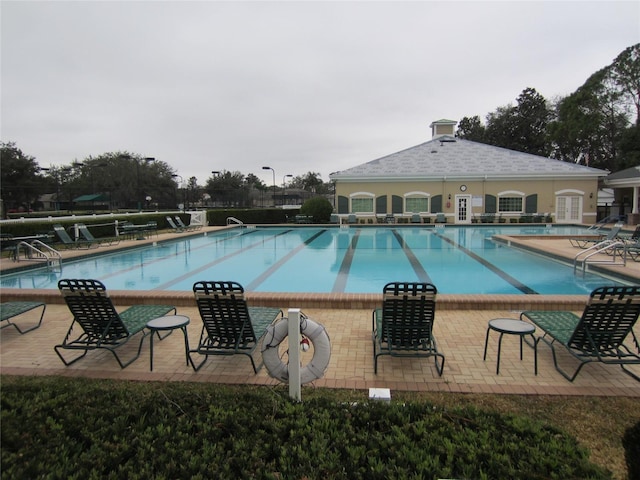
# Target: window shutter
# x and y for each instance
(343, 204)
(490, 204)
(381, 204)
(436, 204)
(531, 204)
(396, 204)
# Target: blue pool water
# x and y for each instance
(331, 259)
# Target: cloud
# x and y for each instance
(299, 86)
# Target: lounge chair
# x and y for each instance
(599, 334)
(629, 244)
(586, 242)
(173, 225)
(416, 218)
(9, 310)
(352, 219)
(88, 236)
(96, 323)
(185, 227)
(8, 244)
(229, 326)
(403, 327)
(67, 241)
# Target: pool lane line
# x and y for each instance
(421, 273)
(162, 259)
(501, 273)
(343, 274)
(276, 266)
(218, 260)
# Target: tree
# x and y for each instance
(228, 189)
(590, 123)
(311, 182)
(20, 181)
(625, 73)
(522, 127)
(471, 128)
(192, 192)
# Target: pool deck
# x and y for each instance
(460, 328)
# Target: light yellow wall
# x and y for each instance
(545, 189)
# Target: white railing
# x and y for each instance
(37, 250)
(79, 218)
(603, 247)
(234, 220)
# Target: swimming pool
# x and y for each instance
(458, 260)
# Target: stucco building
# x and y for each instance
(466, 181)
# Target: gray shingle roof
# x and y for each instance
(455, 158)
(629, 173)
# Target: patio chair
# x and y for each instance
(441, 218)
(67, 241)
(9, 310)
(88, 236)
(599, 334)
(403, 327)
(185, 227)
(230, 326)
(585, 242)
(8, 244)
(173, 225)
(96, 323)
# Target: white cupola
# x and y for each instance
(443, 127)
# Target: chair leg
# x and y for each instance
(193, 364)
(440, 368)
(566, 375)
(126, 364)
(67, 363)
(26, 330)
(629, 372)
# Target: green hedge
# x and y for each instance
(46, 226)
(56, 427)
(252, 215)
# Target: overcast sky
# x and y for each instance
(298, 86)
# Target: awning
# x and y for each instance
(96, 197)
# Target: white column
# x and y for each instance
(635, 199)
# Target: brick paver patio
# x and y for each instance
(460, 331)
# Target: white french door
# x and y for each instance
(569, 209)
(463, 209)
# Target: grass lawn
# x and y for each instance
(58, 427)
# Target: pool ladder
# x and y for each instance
(234, 220)
(602, 247)
(37, 250)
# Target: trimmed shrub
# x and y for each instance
(319, 208)
(631, 443)
(57, 427)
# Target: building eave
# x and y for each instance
(465, 177)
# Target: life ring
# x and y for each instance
(314, 332)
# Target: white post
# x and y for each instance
(294, 354)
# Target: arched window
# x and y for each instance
(511, 201)
(362, 202)
(416, 202)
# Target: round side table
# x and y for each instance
(510, 326)
(168, 323)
